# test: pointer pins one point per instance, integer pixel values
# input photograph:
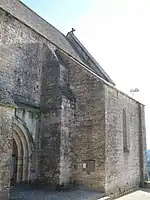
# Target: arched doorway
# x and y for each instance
(21, 154)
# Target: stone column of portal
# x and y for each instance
(19, 169)
(25, 169)
(31, 167)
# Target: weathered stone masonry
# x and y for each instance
(122, 168)
(60, 113)
(6, 117)
(99, 121)
(88, 139)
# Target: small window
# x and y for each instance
(88, 166)
(125, 137)
(91, 166)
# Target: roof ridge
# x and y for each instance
(30, 18)
(70, 36)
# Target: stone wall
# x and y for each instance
(67, 117)
(81, 132)
(35, 22)
(97, 134)
(142, 147)
(87, 130)
(24, 61)
(6, 115)
(21, 59)
(56, 111)
(50, 120)
(122, 167)
(30, 119)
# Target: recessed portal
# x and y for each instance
(20, 162)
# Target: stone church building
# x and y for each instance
(63, 122)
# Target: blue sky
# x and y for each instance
(117, 34)
(60, 13)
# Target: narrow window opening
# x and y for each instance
(88, 166)
(125, 137)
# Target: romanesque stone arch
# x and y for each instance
(23, 147)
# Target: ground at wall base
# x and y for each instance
(143, 194)
(28, 193)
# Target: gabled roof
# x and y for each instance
(87, 58)
(69, 44)
(32, 20)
